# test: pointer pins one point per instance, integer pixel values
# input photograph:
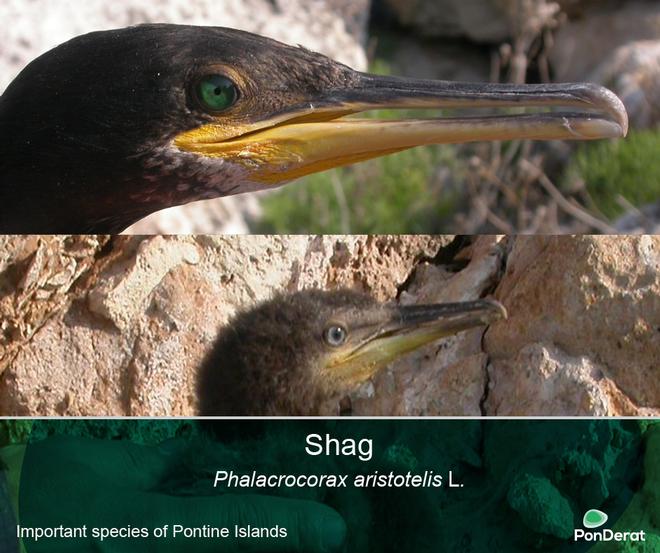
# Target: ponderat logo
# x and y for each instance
(593, 519)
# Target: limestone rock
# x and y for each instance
(633, 72)
(644, 220)
(583, 327)
(615, 45)
(124, 291)
(39, 276)
(581, 44)
(543, 380)
(479, 20)
(448, 377)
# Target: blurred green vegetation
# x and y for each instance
(420, 190)
(629, 168)
(400, 193)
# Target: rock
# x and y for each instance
(582, 333)
(479, 20)
(581, 44)
(615, 45)
(336, 28)
(148, 309)
(546, 381)
(633, 72)
(124, 290)
(645, 220)
(225, 215)
(41, 276)
(99, 326)
(439, 59)
(447, 377)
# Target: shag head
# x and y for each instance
(114, 125)
(299, 354)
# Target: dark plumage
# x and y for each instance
(114, 125)
(82, 126)
(286, 356)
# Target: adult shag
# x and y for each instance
(300, 354)
(111, 126)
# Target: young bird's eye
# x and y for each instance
(335, 335)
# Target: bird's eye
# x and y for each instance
(335, 335)
(216, 92)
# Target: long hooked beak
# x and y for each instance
(407, 328)
(317, 134)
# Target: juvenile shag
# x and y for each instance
(300, 354)
(113, 125)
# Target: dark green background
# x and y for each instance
(527, 482)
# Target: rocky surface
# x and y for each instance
(100, 326)
(583, 43)
(480, 20)
(584, 327)
(633, 72)
(448, 377)
(616, 44)
(125, 336)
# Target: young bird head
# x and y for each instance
(299, 354)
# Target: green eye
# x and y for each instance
(216, 92)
